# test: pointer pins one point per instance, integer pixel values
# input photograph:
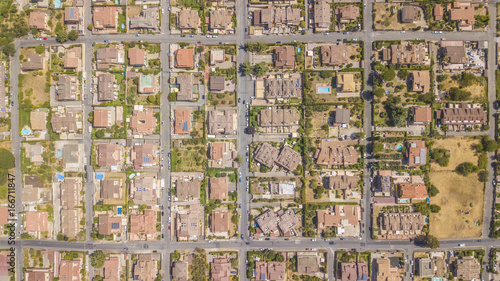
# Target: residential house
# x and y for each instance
(383, 270)
(333, 55)
(109, 155)
(347, 14)
(217, 56)
(411, 191)
(146, 20)
(353, 271)
(438, 12)
(284, 57)
(217, 84)
(220, 19)
(105, 18)
(276, 17)
(187, 190)
(33, 62)
(143, 224)
(421, 115)
(405, 53)
(383, 183)
(279, 120)
(38, 119)
(111, 269)
(289, 158)
(36, 221)
(346, 83)
(70, 270)
(67, 88)
(341, 216)
(403, 224)
(144, 156)
(184, 58)
(182, 121)
(72, 58)
(105, 87)
(322, 15)
(460, 118)
(145, 189)
(220, 269)
(107, 57)
(416, 152)
(270, 270)
(146, 267)
(280, 89)
(341, 182)
(185, 83)
(420, 81)
(463, 14)
(38, 20)
(409, 14)
(109, 224)
(188, 225)
(222, 121)
(143, 122)
(219, 222)
(64, 122)
(180, 271)
(342, 117)
(467, 268)
(188, 19)
(137, 57)
(218, 188)
(71, 15)
(266, 154)
(111, 188)
(337, 156)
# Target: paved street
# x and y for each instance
(245, 92)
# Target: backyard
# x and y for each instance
(387, 17)
(461, 198)
(190, 157)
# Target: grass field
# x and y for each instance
(458, 195)
(478, 91)
(34, 89)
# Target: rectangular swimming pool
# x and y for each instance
(323, 90)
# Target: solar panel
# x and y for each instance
(115, 225)
(185, 126)
(423, 156)
(71, 13)
(145, 159)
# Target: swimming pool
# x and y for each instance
(99, 176)
(119, 210)
(57, 4)
(25, 131)
(324, 90)
(400, 147)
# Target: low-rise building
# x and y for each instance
(64, 122)
(39, 19)
(143, 224)
(145, 189)
(70, 222)
(341, 182)
(420, 81)
(383, 183)
(217, 84)
(218, 188)
(188, 19)
(467, 268)
(109, 224)
(180, 271)
(222, 121)
(105, 18)
(273, 17)
(401, 225)
(405, 53)
(33, 62)
(280, 89)
(219, 222)
(182, 121)
(333, 55)
(288, 158)
(67, 88)
(188, 225)
(438, 12)
(36, 221)
(463, 14)
(461, 118)
(347, 14)
(271, 222)
(270, 270)
(416, 152)
(279, 120)
(105, 87)
(409, 14)
(266, 154)
(220, 269)
(146, 267)
(70, 269)
(342, 117)
(146, 20)
(220, 19)
(72, 58)
(353, 271)
(188, 190)
(137, 57)
(184, 58)
(421, 115)
(308, 262)
(384, 271)
(111, 56)
(185, 83)
(411, 191)
(284, 57)
(346, 83)
(112, 269)
(143, 122)
(341, 216)
(111, 189)
(337, 156)
(322, 15)
(109, 155)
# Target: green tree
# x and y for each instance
(40, 49)
(98, 258)
(389, 75)
(9, 49)
(431, 241)
(61, 36)
(457, 94)
(302, 24)
(432, 190)
(261, 69)
(8, 160)
(73, 35)
(490, 145)
(247, 68)
(279, 257)
(325, 74)
(100, 133)
(483, 176)
(403, 74)
(466, 168)
(175, 256)
(435, 208)
(234, 219)
(377, 147)
(238, 159)
(379, 92)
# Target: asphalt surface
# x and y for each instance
(245, 92)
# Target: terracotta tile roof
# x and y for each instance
(218, 188)
(37, 221)
(182, 121)
(219, 222)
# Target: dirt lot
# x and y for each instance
(457, 194)
(133, 11)
(34, 89)
(387, 17)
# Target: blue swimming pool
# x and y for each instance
(324, 90)
(25, 131)
(99, 176)
(57, 4)
(119, 210)
(400, 147)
